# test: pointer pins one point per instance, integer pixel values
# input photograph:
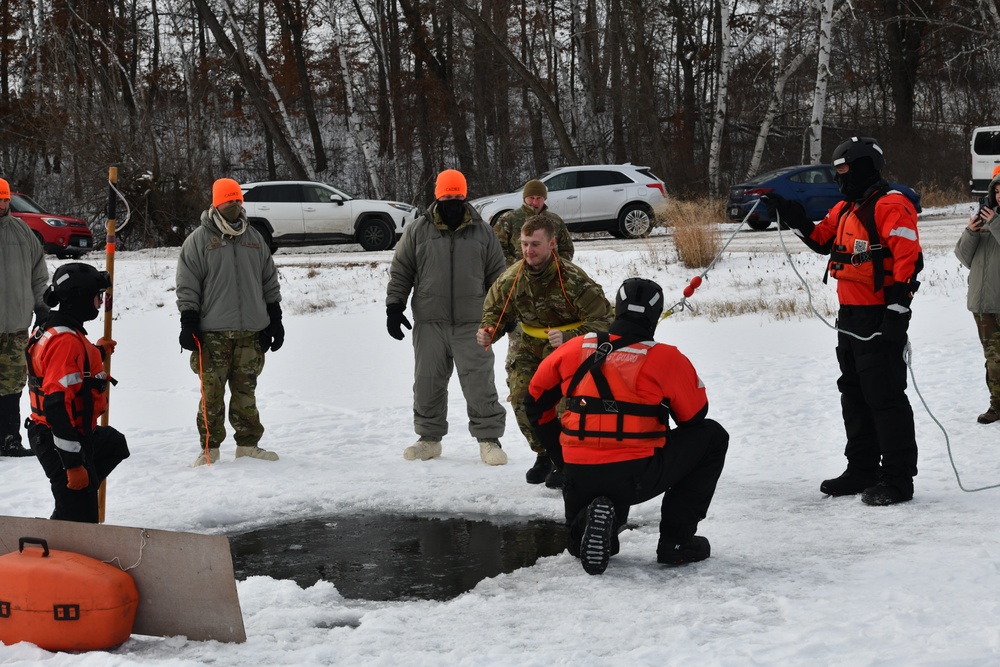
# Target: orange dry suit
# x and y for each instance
(872, 244)
(67, 385)
(619, 396)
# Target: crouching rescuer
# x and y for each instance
(68, 390)
(614, 441)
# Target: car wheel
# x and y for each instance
(40, 239)
(759, 225)
(495, 218)
(376, 234)
(635, 222)
(268, 239)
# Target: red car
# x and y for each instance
(61, 235)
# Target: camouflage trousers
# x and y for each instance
(988, 325)
(233, 358)
(523, 359)
(13, 368)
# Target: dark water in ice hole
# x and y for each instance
(395, 557)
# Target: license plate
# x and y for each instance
(734, 212)
(84, 243)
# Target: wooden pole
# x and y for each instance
(109, 254)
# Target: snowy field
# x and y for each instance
(795, 578)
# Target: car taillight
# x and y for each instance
(757, 192)
(658, 186)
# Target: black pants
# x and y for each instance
(10, 417)
(878, 419)
(102, 452)
(685, 471)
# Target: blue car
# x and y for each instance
(810, 185)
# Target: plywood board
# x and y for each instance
(185, 580)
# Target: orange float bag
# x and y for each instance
(64, 601)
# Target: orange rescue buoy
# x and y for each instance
(64, 601)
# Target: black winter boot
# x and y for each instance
(678, 553)
(539, 471)
(885, 494)
(848, 484)
(556, 479)
(595, 547)
(12, 448)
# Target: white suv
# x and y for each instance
(620, 199)
(300, 213)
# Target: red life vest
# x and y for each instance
(61, 359)
(858, 249)
(605, 419)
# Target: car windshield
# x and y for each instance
(768, 175)
(24, 204)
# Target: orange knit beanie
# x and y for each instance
(450, 182)
(226, 189)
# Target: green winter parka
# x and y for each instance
(227, 280)
(448, 272)
(24, 273)
(979, 251)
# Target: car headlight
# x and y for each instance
(55, 222)
(403, 207)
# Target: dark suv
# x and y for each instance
(61, 235)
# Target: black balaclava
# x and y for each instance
(860, 177)
(79, 306)
(452, 211)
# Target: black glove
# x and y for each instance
(792, 214)
(191, 330)
(898, 297)
(41, 314)
(395, 320)
(272, 337)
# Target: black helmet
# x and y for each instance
(76, 281)
(639, 300)
(859, 147)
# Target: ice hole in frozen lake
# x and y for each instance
(395, 557)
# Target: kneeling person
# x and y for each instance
(68, 390)
(614, 441)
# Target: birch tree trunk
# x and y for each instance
(291, 135)
(366, 145)
(292, 157)
(536, 86)
(721, 99)
(822, 78)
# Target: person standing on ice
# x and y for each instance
(554, 300)
(978, 249)
(447, 258)
(229, 300)
(613, 440)
(24, 276)
(67, 386)
(875, 256)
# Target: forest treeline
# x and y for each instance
(377, 96)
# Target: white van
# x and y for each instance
(985, 157)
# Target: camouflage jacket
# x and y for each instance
(559, 294)
(508, 231)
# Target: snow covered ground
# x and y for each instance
(795, 578)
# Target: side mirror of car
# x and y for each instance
(337, 199)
